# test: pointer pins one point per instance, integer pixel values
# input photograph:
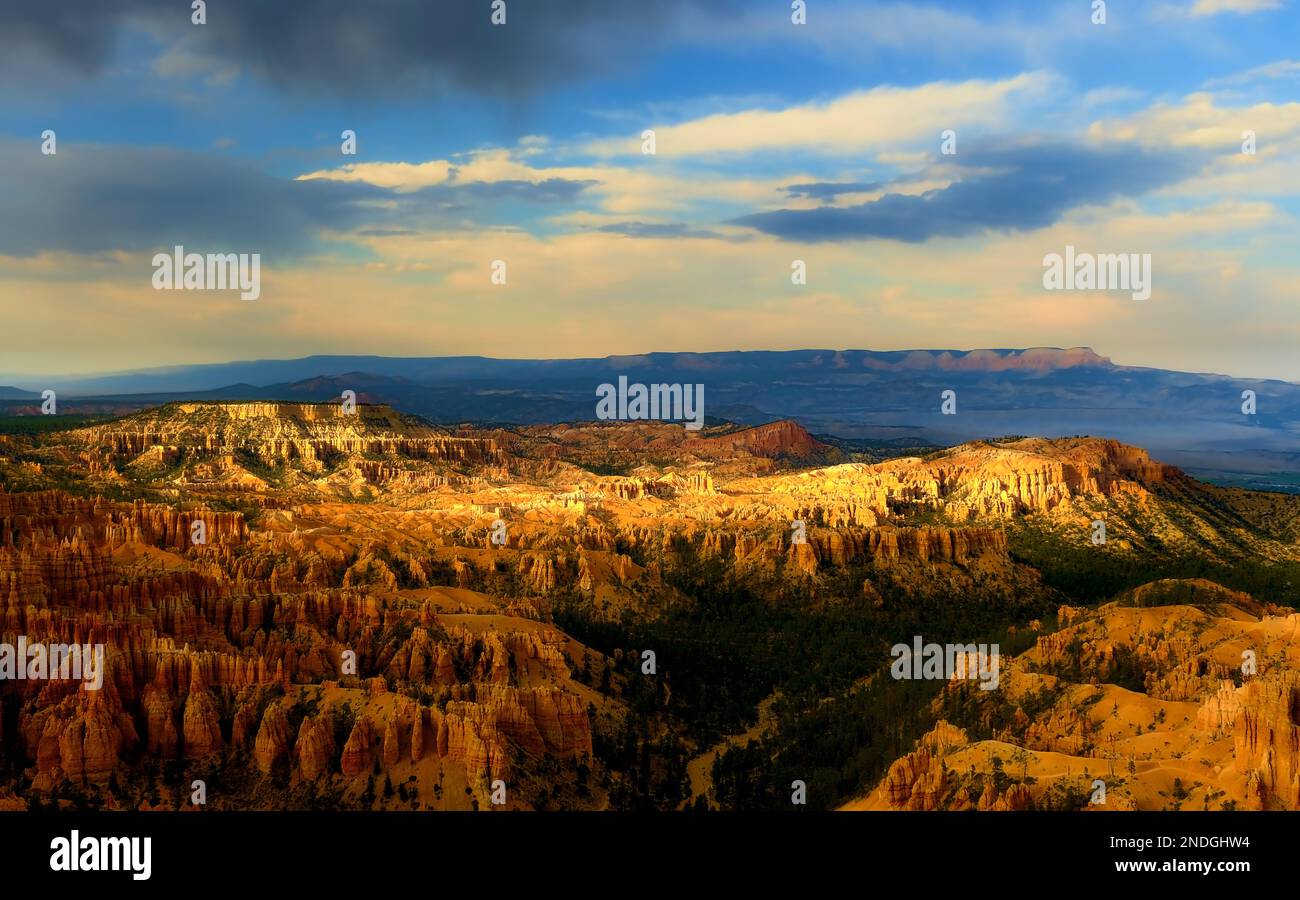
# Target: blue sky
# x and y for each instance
(521, 142)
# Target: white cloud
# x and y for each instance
(1199, 121)
(1204, 8)
(1283, 68)
(1105, 96)
(875, 119)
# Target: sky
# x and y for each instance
(522, 143)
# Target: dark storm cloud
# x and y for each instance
(80, 36)
(657, 230)
(1018, 188)
(93, 199)
(475, 203)
(550, 190)
(348, 46)
(829, 190)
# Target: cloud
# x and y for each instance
(1011, 188)
(1203, 8)
(1198, 121)
(345, 47)
(99, 198)
(550, 190)
(912, 30)
(385, 232)
(400, 176)
(658, 230)
(856, 122)
(1215, 288)
(77, 37)
(624, 192)
(94, 198)
(1283, 68)
(1107, 96)
(829, 190)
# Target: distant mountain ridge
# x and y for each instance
(1193, 420)
(211, 376)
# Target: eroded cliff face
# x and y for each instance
(1030, 475)
(1265, 727)
(210, 653)
(430, 498)
(305, 432)
(1156, 701)
(379, 612)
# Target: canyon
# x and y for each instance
(1147, 695)
(346, 633)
